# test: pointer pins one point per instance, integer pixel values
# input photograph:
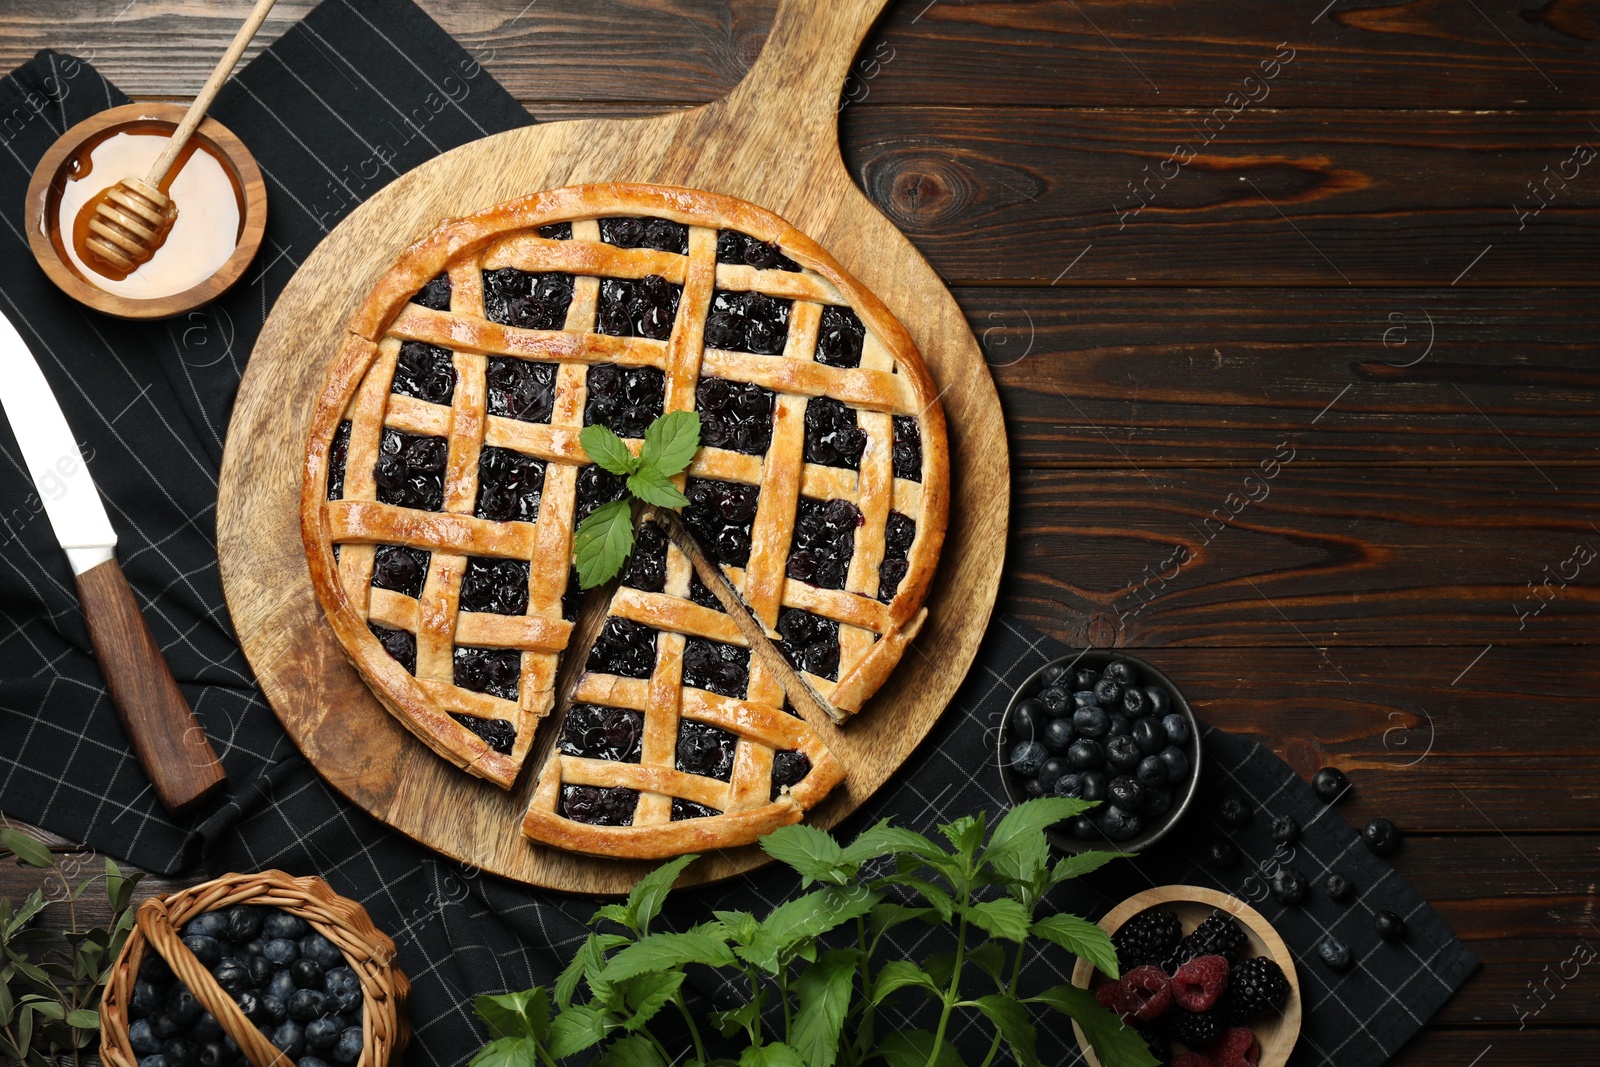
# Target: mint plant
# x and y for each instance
(809, 1005)
(605, 536)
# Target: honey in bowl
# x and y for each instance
(204, 191)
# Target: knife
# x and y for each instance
(169, 742)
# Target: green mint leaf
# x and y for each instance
(1081, 863)
(803, 920)
(933, 894)
(645, 902)
(1011, 1019)
(603, 543)
(915, 1048)
(966, 833)
(897, 974)
(507, 1052)
(671, 441)
(824, 990)
(660, 952)
(808, 850)
(741, 926)
(1017, 848)
(1113, 1042)
(885, 840)
(1081, 938)
(885, 917)
(745, 1015)
(635, 1050)
(575, 1029)
(607, 449)
(648, 994)
(990, 958)
(653, 487)
(1001, 918)
(523, 1014)
(776, 1054)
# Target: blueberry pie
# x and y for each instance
(444, 480)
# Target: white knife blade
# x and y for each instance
(52, 456)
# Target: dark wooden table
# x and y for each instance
(1292, 308)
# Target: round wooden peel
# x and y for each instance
(772, 141)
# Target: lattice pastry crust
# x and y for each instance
(443, 469)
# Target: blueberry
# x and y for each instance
(1086, 753)
(322, 1034)
(213, 1054)
(1121, 671)
(242, 923)
(311, 1061)
(1031, 789)
(261, 970)
(1051, 772)
(1126, 793)
(1120, 725)
(273, 1009)
(1339, 887)
(1084, 698)
(1234, 810)
(181, 1050)
(1177, 727)
(1288, 885)
(282, 924)
(1027, 757)
(1107, 692)
(1222, 854)
(140, 1037)
(1135, 703)
(1176, 762)
(1334, 953)
(282, 986)
(1285, 831)
(307, 974)
(1055, 700)
(344, 987)
(253, 947)
(1094, 785)
(1149, 735)
(1120, 825)
(250, 1004)
(1091, 722)
(157, 1060)
(1083, 828)
(1122, 754)
(289, 1038)
(1160, 703)
(307, 1004)
(1024, 723)
(1329, 784)
(319, 949)
(162, 1026)
(232, 976)
(208, 950)
(1053, 674)
(1390, 926)
(1381, 837)
(348, 1050)
(147, 998)
(154, 969)
(1084, 678)
(1152, 772)
(1070, 785)
(182, 1006)
(207, 924)
(1058, 735)
(1157, 802)
(206, 1028)
(281, 951)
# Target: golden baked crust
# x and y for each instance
(890, 381)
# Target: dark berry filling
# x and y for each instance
(338, 453)
(789, 768)
(701, 594)
(809, 642)
(495, 586)
(521, 389)
(839, 337)
(572, 597)
(735, 415)
(740, 248)
(625, 400)
(400, 570)
(897, 538)
(436, 294)
(824, 541)
(833, 437)
(510, 485)
(647, 570)
(625, 648)
(663, 235)
(400, 644)
(425, 372)
(496, 733)
(597, 486)
(410, 470)
(556, 231)
(597, 806)
(706, 750)
(907, 448)
(532, 301)
(747, 322)
(595, 732)
(495, 671)
(644, 308)
(687, 809)
(720, 514)
(717, 667)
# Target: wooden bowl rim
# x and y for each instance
(1257, 923)
(39, 222)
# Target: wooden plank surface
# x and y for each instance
(1309, 277)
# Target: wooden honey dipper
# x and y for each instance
(132, 218)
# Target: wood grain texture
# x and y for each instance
(772, 141)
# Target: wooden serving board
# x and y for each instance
(772, 141)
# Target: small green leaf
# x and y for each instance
(965, 833)
(741, 926)
(940, 966)
(990, 958)
(744, 1016)
(84, 1019)
(645, 902)
(776, 1054)
(883, 839)
(607, 449)
(915, 1048)
(824, 990)
(647, 994)
(897, 974)
(1113, 1041)
(617, 913)
(507, 1052)
(29, 850)
(813, 853)
(804, 919)
(663, 951)
(1017, 847)
(671, 441)
(520, 1014)
(1082, 863)
(587, 962)
(1001, 918)
(886, 916)
(653, 487)
(605, 538)
(575, 1029)
(1081, 938)
(933, 894)
(635, 1050)
(1011, 1019)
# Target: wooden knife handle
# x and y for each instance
(171, 745)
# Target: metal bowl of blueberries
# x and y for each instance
(1103, 725)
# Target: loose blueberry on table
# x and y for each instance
(290, 981)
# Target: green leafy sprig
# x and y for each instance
(810, 1005)
(605, 536)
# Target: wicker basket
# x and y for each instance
(370, 953)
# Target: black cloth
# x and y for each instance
(351, 97)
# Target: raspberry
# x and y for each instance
(1200, 983)
(1192, 1059)
(1146, 993)
(1238, 1048)
(1256, 988)
(1109, 994)
(1148, 937)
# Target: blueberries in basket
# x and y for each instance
(1177, 727)
(182, 1006)
(1334, 953)
(282, 924)
(289, 1038)
(1149, 735)
(1390, 926)
(1055, 700)
(282, 986)
(208, 950)
(1027, 757)
(348, 1048)
(1176, 762)
(1120, 825)
(261, 970)
(1222, 854)
(1151, 772)
(206, 924)
(1107, 692)
(1329, 784)
(1126, 793)
(1381, 837)
(307, 1004)
(213, 1054)
(147, 998)
(1284, 830)
(180, 1050)
(307, 974)
(157, 1060)
(273, 1009)
(241, 923)
(206, 1028)
(250, 1004)
(1122, 754)
(344, 987)
(232, 976)
(1051, 772)
(154, 969)
(141, 1039)
(322, 1034)
(1234, 810)
(1339, 887)
(311, 1061)
(1085, 754)
(1135, 703)
(253, 946)
(1289, 886)
(281, 951)
(1058, 735)
(162, 1026)
(1091, 722)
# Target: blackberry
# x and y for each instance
(1256, 988)
(1219, 935)
(1148, 937)
(1200, 1029)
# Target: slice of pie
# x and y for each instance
(444, 481)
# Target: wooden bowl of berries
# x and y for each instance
(1104, 726)
(252, 970)
(1206, 980)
